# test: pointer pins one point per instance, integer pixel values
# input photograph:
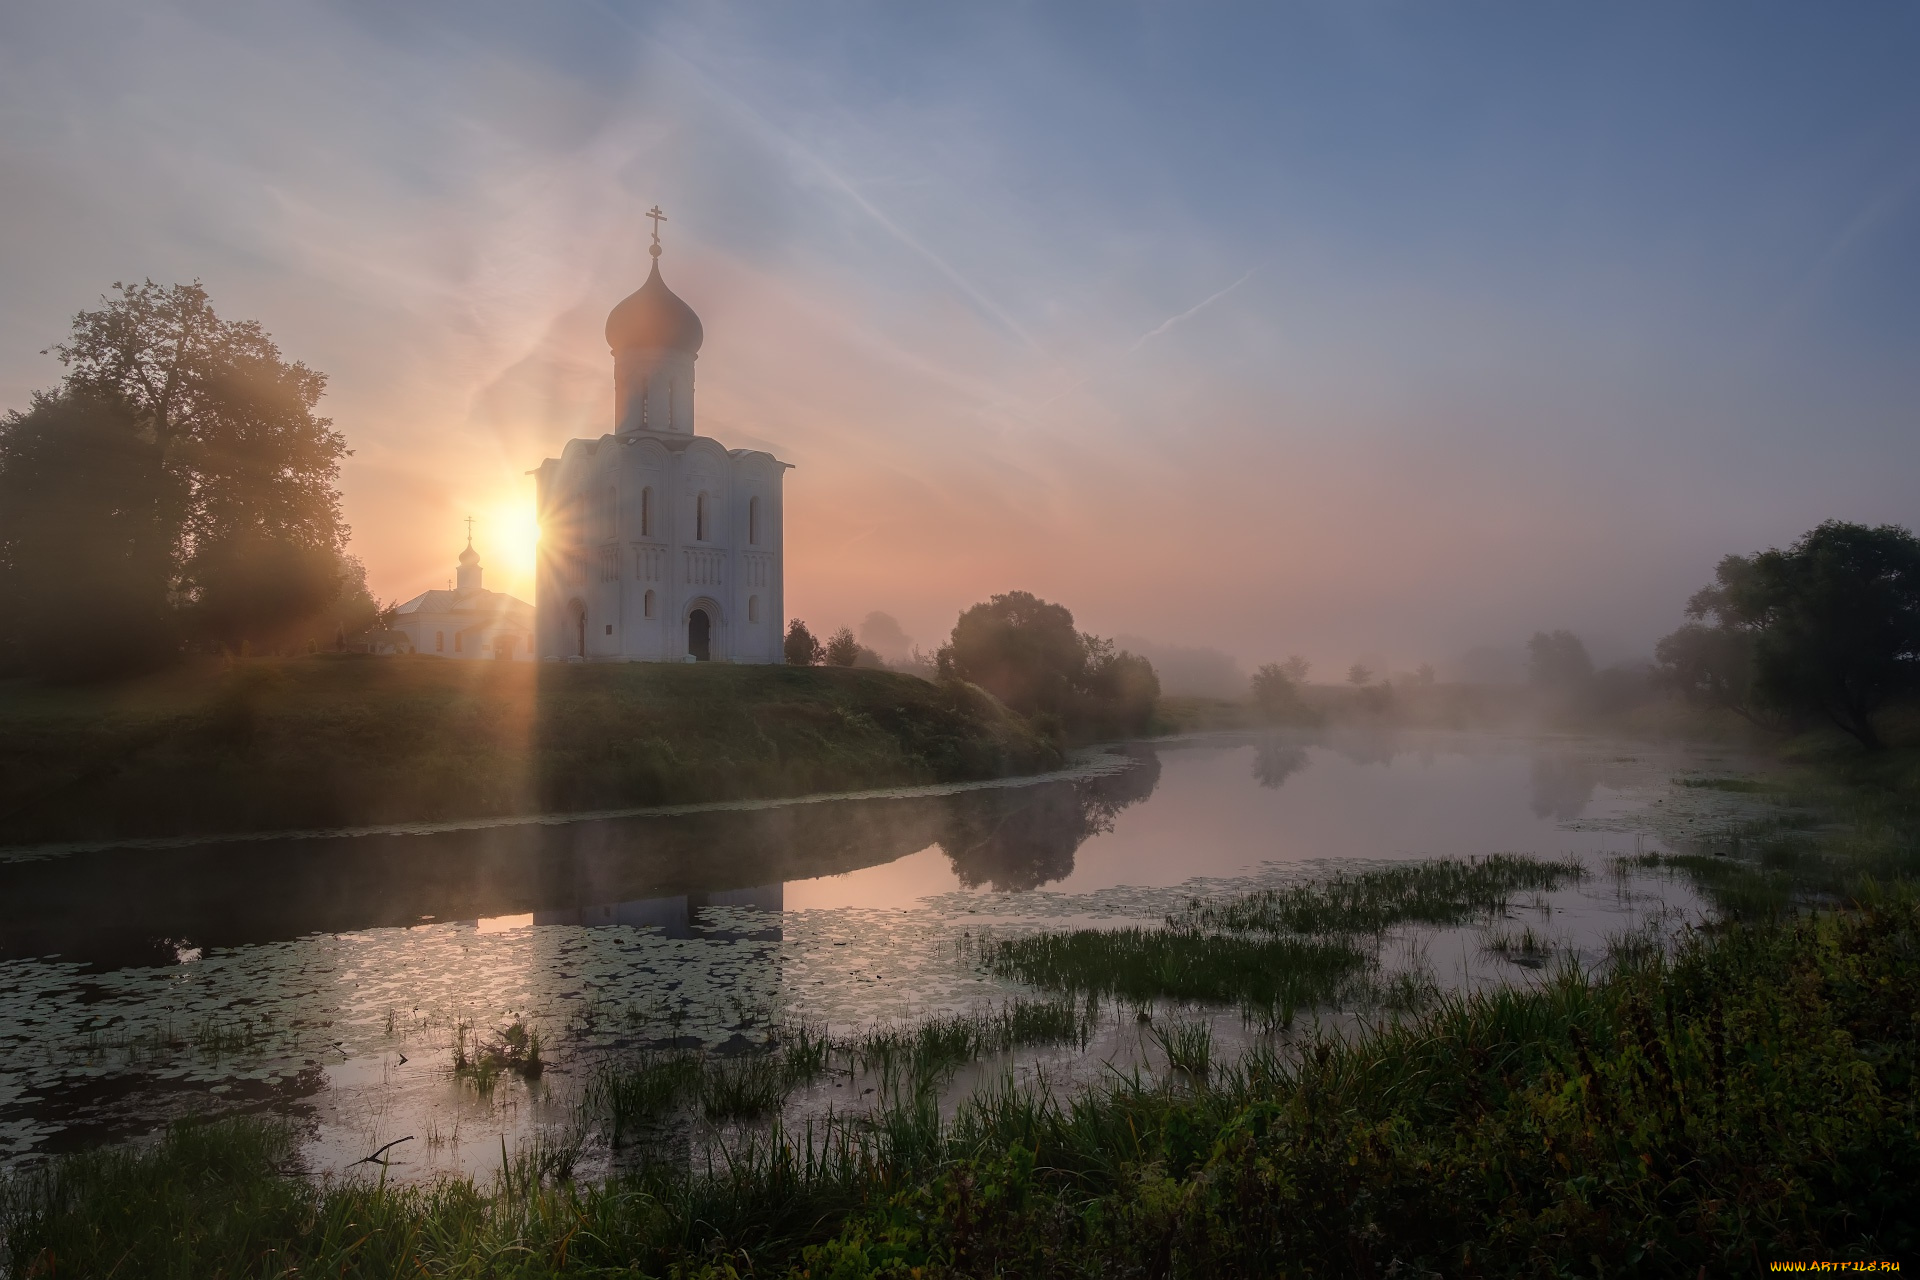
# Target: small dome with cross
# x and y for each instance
(653, 317)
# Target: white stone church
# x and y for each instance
(464, 621)
(659, 544)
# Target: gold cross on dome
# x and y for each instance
(658, 218)
(469, 528)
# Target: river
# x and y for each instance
(327, 977)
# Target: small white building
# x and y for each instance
(468, 621)
(659, 544)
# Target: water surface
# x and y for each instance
(328, 977)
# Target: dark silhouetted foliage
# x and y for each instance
(1026, 652)
(1557, 663)
(253, 588)
(1277, 693)
(1828, 629)
(87, 515)
(234, 427)
(842, 649)
(800, 647)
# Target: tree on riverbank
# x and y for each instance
(1027, 653)
(1276, 692)
(1828, 629)
(237, 477)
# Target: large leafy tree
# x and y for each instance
(1709, 659)
(1827, 629)
(1026, 652)
(258, 547)
(88, 513)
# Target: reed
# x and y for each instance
(1273, 974)
(1435, 892)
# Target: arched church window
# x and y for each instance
(439, 642)
(753, 608)
(647, 604)
(753, 521)
(646, 512)
(700, 518)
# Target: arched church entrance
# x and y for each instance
(700, 635)
(577, 629)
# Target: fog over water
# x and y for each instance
(1321, 330)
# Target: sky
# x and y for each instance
(1334, 328)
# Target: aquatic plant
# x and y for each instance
(1280, 974)
(633, 1095)
(806, 1051)
(1737, 888)
(1524, 948)
(515, 1050)
(1188, 1046)
(742, 1087)
(1748, 786)
(1436, 892)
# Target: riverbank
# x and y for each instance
(328, 742)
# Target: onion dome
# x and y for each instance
(469, 558)
(653, 318)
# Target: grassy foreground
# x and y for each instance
(344, 741)
(1750, 1098)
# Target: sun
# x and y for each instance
(510, 531)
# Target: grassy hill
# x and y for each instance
(347, 741)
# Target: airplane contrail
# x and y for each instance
(792, 145)
(1190, 312)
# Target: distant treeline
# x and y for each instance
(175, 491)
(1823, 633)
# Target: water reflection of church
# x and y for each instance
(682, 915)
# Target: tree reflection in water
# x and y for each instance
(1021, 838)
(1275, 759)
(1563, 784)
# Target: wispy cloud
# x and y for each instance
(809, 159)
(1192, 311)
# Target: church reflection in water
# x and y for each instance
(687, 874)
(684, 915)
